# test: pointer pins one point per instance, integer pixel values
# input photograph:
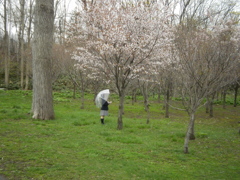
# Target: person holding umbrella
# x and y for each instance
(102, 102)
(104, 110)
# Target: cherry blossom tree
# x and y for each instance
(119, 39)
(80, 67)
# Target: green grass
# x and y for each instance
(76, 146)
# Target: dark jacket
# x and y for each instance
(105, 106)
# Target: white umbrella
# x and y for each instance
(102, 97)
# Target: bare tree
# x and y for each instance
(6, 45)
(42, 105)
(79, 76)
(21, 39)
(206, 61)
(29, 34)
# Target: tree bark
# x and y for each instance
(42, 105)
(190, 132)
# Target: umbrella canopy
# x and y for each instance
(102, 97)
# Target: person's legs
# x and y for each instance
(102, 119)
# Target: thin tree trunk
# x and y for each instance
(159, 94)
(6, 47)
(27, 75)
(120, 111)
(146, 105)
(82, 98)
(217, 97)
(211, 108)
(148, 114)
(207, 106)
(121, 91)
(21, 41)
(22, 62)
(164, 103)
(146, 102)
(74, 90)
(190, 132)
(167, 98)
(28, 61)
(235, 95)
(224, 99)
(134, 96)
(42, 105)
(210, 104)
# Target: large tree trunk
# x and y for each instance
(42, 105)
(190, 132)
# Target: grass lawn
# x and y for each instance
(76, 146)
